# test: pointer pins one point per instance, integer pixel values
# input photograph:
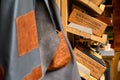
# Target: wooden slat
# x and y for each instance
(102, 39)
(102, 7)
(78, 32)
(64, 13)
(85, 76)
(88, 77)
(96, 69)
(96, 2)
(77, 16)
(93, 6)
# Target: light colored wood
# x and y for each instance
(78, 32)
(85, 76)
(102, 39)
(114, 74)
(96, 69)
(77, 16)
(96, 2)
(64, 12)
(92, 6)
(88, 77)
(102, 7)
(81, 28)
(83, 68)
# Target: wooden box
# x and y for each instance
(96, 69)
(64, 6)
(96, 2)
(85, 20)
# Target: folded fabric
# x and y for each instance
(29, 42)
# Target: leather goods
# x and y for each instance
(62, 55)
(30, 61)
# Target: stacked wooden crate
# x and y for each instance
(65, 19)
(79, 22)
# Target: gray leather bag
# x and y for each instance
(47, 17)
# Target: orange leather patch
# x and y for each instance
(62, 54)
(1, 73)
(35, 74)
(26, 33)
(28, 77)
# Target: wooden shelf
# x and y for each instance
(64, 11)
(86, 35)
(115, 7)
(90, 4)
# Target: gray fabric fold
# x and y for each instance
(48, 38)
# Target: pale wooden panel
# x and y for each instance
(64, 11)
(96, 69)
(96, 2)
(91, 5)
(83, 19)
(102, 39)
(78, 32)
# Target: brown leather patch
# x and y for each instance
(28, 77)
(26, 33)
(62, 54)
(35, 74)
(1, 73)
